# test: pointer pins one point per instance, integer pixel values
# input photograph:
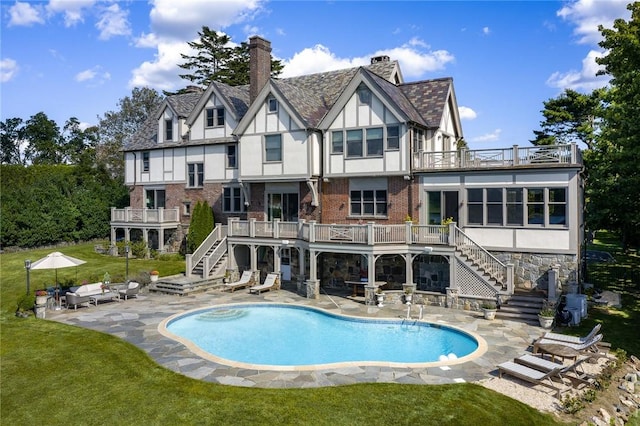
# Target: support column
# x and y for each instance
(408, 267)
(254, 257)
(313, 284)
(161, 240)
(277, 253)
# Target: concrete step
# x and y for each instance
(528, 318)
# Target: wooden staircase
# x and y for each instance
(522, 307)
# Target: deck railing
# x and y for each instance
(160, 215)
(501, 158)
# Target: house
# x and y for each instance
(352, 176)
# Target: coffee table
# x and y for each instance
(558, 350)
(104, 297)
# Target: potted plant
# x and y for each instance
(489, 310)
(380, 296)
(546, 316)
(41, 297)
(154, 276)
(408, 295)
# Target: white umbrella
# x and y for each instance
(56, 260)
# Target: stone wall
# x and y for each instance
(530, 269)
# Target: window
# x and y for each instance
(514, 207)
(186, 208)
(475, 207)
(232, 159)
(196, 175)
(215, 116)
(232, 200)
(145, 161)
(418, 139)
(368, 203)
(354, 143)
(155, 198)
(364, 95)
(337, 142)
(272, 105)
(393, 137)
(557, 206)
(374, 142)
(273, 147)
(494, 206)
(168, 130)
(535, 206)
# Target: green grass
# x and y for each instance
(53, 374)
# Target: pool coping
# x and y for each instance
(162, 329)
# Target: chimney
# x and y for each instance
(383, 58)
(259, 65)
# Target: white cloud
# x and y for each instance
(488, 137)
(486, 30)
(584, 80)
(173, 24)
(73, 10)
(94, 75)
(8, 69)
(24, 14)
(466, 113)
(113, 22)
(586, 15)
(317, 59)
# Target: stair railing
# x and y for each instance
(481, 257)
(211, 260)
(194, 258)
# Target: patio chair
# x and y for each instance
(245, 280)
(573, 339)
(131, 290)
(530, 375)
(588, 347)
(270, 283)
(572, 371)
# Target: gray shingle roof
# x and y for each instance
(312, 96)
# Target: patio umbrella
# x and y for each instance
(55, 261)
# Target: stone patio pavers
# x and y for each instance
(136, 321)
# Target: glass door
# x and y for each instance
(283, 206)
(441, 205)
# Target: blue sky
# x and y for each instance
(79, 58)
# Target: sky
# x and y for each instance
(79, 58)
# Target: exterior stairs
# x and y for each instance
(181, 285)
(480, 270)
(523, 307)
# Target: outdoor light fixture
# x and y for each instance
(428, 249)
(27, 266)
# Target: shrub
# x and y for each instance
(26, 302)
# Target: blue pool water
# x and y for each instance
(286, 335)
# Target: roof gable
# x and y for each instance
(234, 99)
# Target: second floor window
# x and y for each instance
(168, 130)
(393, 137)
(196, 175)
(354, 143)
(145, 161)
(215, 117)
(418, 140)
(374, 142)
(337, 142)
(273, 148)
(232, 162)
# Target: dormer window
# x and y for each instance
(215, 117)
(168, 129)
(272, 105)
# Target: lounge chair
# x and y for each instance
(131, 290)
(245, 280)
(573, 339)
(530, 375)
(590, 346)
(573, 371)
(271, 282)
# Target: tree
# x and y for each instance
(77, 144)
(115, 127)
(44, 140)
(11, 138)
(571, 117)
(200, 226)
(614, 166)
(215, 60)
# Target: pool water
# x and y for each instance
(286, 335)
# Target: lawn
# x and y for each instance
(53, 374)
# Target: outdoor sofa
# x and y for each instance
(79, 295)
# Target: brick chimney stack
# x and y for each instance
(259, 65)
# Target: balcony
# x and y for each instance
(131, 216)
(531, 156)
(368, 234)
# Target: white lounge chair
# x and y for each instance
(573, 339)
(590, 346)
(271, 282)
(530, 375)
(573, 371)
(246, 279)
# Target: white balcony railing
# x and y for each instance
(145, 215)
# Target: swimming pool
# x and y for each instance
(292, 337)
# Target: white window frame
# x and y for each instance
(195, 175)
(269, 139)
(359, 141)
(333, 142)
(234, 156)
(168, 129)
(394, 138)
(272, 105)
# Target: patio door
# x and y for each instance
(282, 202)
(441, 205)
